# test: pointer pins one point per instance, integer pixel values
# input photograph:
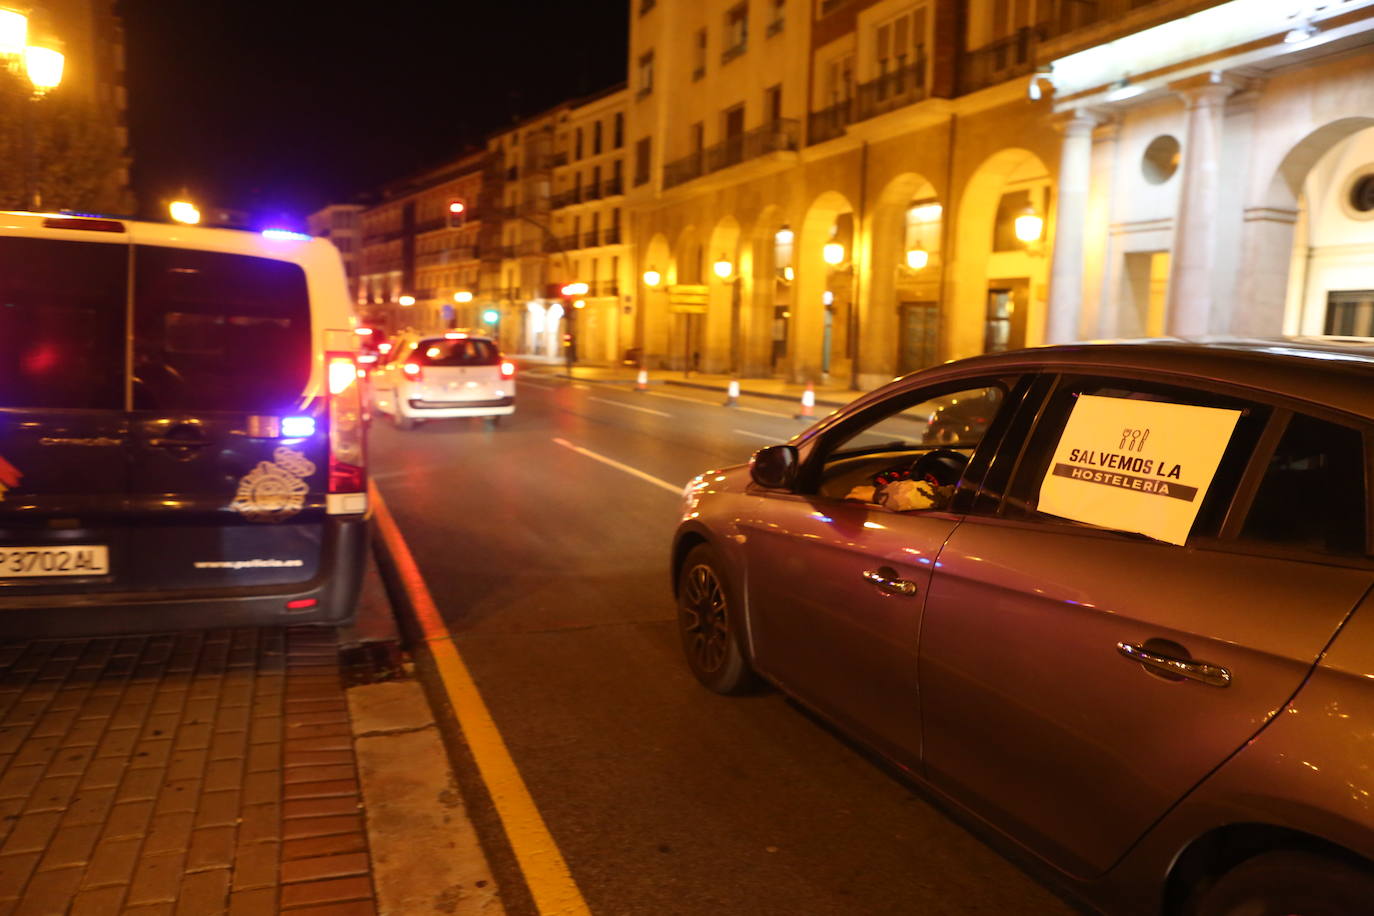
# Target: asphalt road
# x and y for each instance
(551, 569)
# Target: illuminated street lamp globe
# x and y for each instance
(44, 67)
(406, 301)
(723, 268)
(652, 277)
(183, 211)
(1029, 225)
(463, 295)
(14, 33)
(917, 258)
(833, 253)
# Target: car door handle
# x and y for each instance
(885, 577)
(179, 443)
(1202, 672)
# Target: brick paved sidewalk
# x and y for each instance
(189, 773)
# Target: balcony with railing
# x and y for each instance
(1001, 60)
(591, 192)
(554, 244)
(612, 187)
(611, 236)
(606, 288)
(774, 27)
(732, 52)
(903, 86)
(782, 135)
(430, 225)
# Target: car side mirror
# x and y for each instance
(774, 467)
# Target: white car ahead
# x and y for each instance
(440, 376)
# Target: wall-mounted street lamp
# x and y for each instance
(1029, 226)
(917, 258)
(463, 295)
(652, 277)
(833, 253)
(723, 268)
(576, 289)
(406, 301)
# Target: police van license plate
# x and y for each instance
(54, 560)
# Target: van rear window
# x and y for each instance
(465, 352)
(218, 331)
(62, 323)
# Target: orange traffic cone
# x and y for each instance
(732, 394)
(808, 403)
(642, 380)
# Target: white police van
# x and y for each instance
(181, 435)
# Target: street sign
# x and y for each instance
(447, 312)
(686, 298)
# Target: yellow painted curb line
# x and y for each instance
(546, 873)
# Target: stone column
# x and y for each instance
(1190, 297)
(1066, 268)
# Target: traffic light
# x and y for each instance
(457, 213)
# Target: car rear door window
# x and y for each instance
(217, 331)
(62, 317)
(460, 352)
(1023, 496)
(1312, 495)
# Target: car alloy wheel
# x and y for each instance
(708, 624)
(705, 618)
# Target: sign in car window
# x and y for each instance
(1140, 466)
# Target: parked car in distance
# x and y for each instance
(181, 438)
(434, 377)
(1134, 637)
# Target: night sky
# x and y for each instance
(278, 109)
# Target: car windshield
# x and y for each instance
(464, 351)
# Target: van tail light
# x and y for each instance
(507, 369)
(347, 443)
(412, 371)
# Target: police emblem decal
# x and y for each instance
(274, 490)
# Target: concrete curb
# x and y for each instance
(426, 855)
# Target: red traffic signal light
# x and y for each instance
(457, 212)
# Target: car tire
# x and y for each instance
(1280, 883)
(402, 421)
(710, 624)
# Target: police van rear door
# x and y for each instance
(62, 426)
(229, 456)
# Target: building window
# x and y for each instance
(772, 104)
(642, 162)
(777, 16)
(646, 74)
(839, 80)
(899, 48)
(577, 144)
(736, 32)
(619, 130)
(699, 55)
(596, 139)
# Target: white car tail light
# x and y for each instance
(347, 445)
(507, 369)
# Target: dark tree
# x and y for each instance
(62, 149)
